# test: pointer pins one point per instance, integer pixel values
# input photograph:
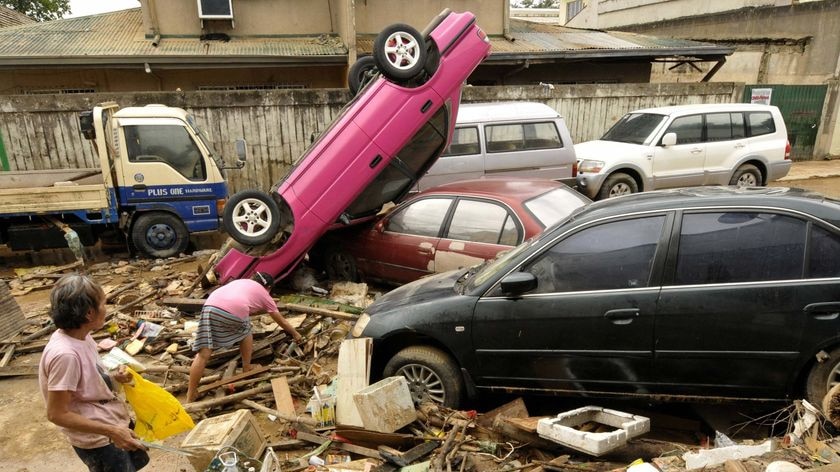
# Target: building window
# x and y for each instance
(57, 91)
(573, 8)
(228, 88)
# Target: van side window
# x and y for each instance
(689, 129)
(739, 247)
(724, 126)
(464, 141)
(168, 144)
(482, 222)
(761, 123)
(521, 137)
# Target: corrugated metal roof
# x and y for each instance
(9, 17)
(541, 40)
(118, 37)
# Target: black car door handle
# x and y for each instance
(138, 187)
(823, 311)
(622, 316)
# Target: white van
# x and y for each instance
(517, 139)
(679, 146)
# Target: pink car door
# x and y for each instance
(405, 242)
(478, 230)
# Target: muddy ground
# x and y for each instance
(29, 443)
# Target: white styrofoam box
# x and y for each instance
(561, 429)
(385, 406)
(712, 457)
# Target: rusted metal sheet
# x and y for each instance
(42, 132)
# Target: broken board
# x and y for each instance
(353, 375)
(282, 395)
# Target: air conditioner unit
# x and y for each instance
(215, 9)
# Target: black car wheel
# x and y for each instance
(400, 53)
(432, 375)
(823, 376)
(251, 217)
(747, 175)
(361, 72)
(160, 234)
(616, 185)
(341, 266)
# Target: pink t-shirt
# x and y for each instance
(69, 364)
(242, 297)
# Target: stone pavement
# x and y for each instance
(801, 170)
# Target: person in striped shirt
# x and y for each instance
(225, 320)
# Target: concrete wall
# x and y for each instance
(293, 17)
(373, 15)
(42, 131)
(251, 18)
(792, 45)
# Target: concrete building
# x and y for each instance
(790, 47)
(279, 44)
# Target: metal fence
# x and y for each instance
(42, 131)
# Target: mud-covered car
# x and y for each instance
(447, 227)
(373, 153)
(721, 292)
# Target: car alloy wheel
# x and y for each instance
(423, 382)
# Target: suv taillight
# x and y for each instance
(574, 169)
(787, 151)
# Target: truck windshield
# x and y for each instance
(633, 128)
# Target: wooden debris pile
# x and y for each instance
(152, 310)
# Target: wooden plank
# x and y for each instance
(282, 395)
(362, 451)
(320, 311)
(353, 375)
(18, 371)
(234, 378)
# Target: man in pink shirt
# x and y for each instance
(225, 321)
(78, 389)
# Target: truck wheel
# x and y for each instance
(617, 184)
(160, 234)
(400, 53)
(432, 375)
(251, 217)
(362, 72)
(747, 175)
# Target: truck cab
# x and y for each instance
(166, 183)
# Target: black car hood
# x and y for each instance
(428, 288)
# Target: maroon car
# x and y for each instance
(446, 227)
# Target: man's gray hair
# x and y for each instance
(72, 298)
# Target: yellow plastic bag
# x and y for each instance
(159, 414)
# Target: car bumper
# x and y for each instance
(589, 184)
(777, 170)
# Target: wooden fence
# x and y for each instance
(42, 132)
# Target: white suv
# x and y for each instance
(679, 146)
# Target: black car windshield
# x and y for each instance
(633, 128)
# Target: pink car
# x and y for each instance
(374, 152)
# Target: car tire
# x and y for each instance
(822, 377)
(747, 175)
(361, 72)
(251, 217)
(159, 234)
(399, 52)
(616, 185)
(341, 266)
(432, 375)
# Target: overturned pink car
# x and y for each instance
(383, 141)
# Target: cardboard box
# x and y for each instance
(238, 429)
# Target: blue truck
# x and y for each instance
(157, 183)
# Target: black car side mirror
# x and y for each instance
(518, 283)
